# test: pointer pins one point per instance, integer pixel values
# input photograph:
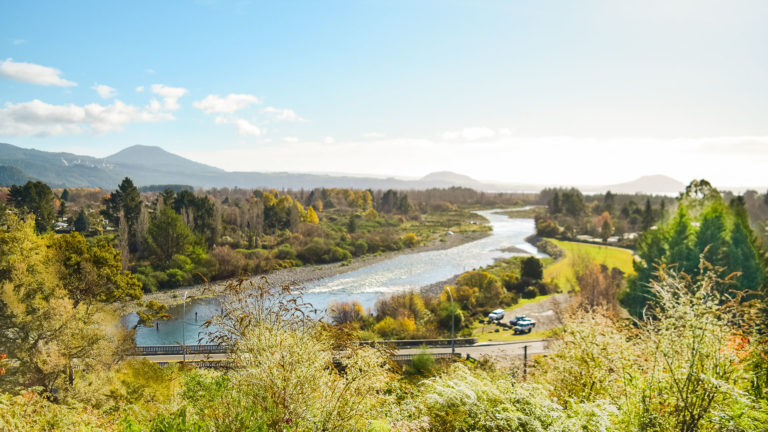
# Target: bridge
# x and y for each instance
(213, 355)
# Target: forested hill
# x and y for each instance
(12, 176)
(149, 165)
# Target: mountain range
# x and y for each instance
(149, 165)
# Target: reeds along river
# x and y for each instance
(401, 273)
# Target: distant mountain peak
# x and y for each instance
(658, 183)
(449, 177)
(154, 157)
(140, 149)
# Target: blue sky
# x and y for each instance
(491, 88)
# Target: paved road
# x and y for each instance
(499, 351)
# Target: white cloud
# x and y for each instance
(140, 89)
(33, 73)
(105, 91)
(283, 114)
(43, 119)
(329, 140)
(373, 135)
(470, 134)
(19, 41)
(149, 71)
(227, 104)
(291, 139)
(170, 95)
(243, 126)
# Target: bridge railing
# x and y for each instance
(150, 350)
(416, 343)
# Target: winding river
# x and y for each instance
(367, 284)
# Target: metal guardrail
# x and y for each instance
(416, 343)
(408, 358)
(150, 350)
(402, 359)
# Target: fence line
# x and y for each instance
(150, 350)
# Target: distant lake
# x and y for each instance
(401, 273)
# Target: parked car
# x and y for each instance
(524, 326)
(513, 322)
(496, 315)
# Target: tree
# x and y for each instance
(167, 236)
(200, 212)
(311, 217)
(573, 203)
(648, 215)
(65, 195)
(681, 254)
(448, 312)
(651, 249)
(36, 198)
(743, 259)
(554, 205)
(403, 205)
(126, 200)
(82, 222)
(609, 202)
(532, 269)
(490, 291)
(92, 273)
(606, 226)
(42, 329)
(712, 237)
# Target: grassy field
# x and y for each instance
(438, 223)
(561, 272)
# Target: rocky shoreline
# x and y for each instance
(301, 275)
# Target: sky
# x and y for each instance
(542, 92)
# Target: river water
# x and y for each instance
(401, 273)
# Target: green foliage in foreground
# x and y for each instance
(691, 366)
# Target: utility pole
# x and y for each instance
(525, 362)
(183, 330)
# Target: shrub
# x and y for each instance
(446, 313)
(391, 328)
(180, 262)
(360, 247)
(285, 252)
(314, 251)
(422, 364)
(410, 240)
(547, 228)
(464, 400)
(229, 262)
(174, 278)
(530, 292)
(345, 312)
(338, 254)
(148, 283)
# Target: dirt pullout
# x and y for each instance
(302, 275)
(547, 313)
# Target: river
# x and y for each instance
(401, 273)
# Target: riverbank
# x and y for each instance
(301, 275)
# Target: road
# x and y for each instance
(498, 351)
